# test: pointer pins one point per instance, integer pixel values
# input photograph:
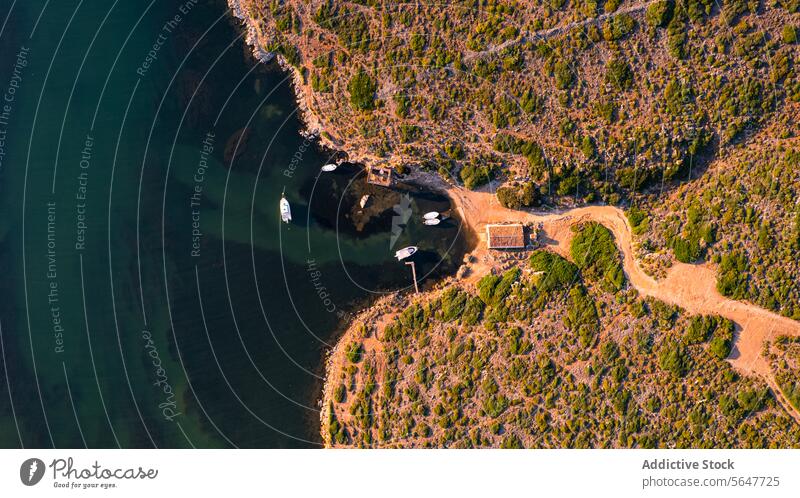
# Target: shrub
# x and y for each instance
(674, 358)
(503, 288)
(733, 277)
(515, 197)
(659, 13)
(472, 311)
(517, 344)
(619, 74)
(486, 287)
(789, 34)
(701, 328)
(563, 75)
(686, 250)
(638, 219)
(595, 253)
(474, 176)
(454, 302)
(362, 88)
(581, 316)
(558, 273)
(339, 393)
(511, 442)
(722, 340)
(354, 352)
(618, 27)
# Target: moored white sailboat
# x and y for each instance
(285, 209)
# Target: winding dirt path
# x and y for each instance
(693, 287)
(544, 34)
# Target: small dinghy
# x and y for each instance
(286, 210)
(432, 221)
(431, 216)
(330, 167)
(405, 252)
(364, 201)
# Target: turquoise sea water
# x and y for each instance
(150, 294)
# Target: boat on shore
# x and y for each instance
(330, 167)
(405, 252)
(285, 209)
(364, 201)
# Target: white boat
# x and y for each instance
(286, 210)
(432, 221)
(405, 252)
(330, 167)
(364, 201)
(432, 215)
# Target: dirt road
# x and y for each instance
(690, 286)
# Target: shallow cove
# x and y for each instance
(186, 266)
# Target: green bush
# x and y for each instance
(511, 442)
(638, 219)
(618, 27)
(517, 196)
(701, 328)
(354, 352)
(339, 393)
(472, 311)
(563, 75)
(619, 74)
(674, 358)
(789, 34)
(454, 302)
(517, 344)
(362, 88)
(686, 250)
(557, 272)
(659, 13)
(474, 176)
(581, 316)
(733, 278)
(596, 255)
(722, 339)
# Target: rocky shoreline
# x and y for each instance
(313, 127)
(312, 123)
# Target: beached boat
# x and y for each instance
(405, 252)
(432, 221)
(432, 215)
(286, 210)
(364, 201)
(330, 167)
